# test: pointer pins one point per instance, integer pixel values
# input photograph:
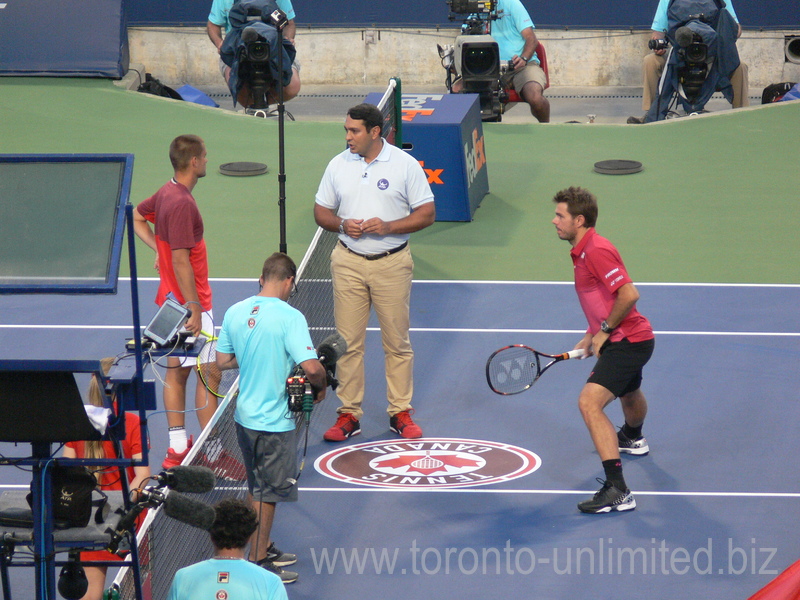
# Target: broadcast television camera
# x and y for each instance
(255, 58)
(475, 56)
(298, 387)
(259, 57)
(694, 52)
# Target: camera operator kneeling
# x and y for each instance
(250, 56)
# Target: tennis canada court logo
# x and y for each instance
(428, 463)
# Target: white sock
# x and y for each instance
(177, 439)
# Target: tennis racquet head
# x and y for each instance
(216, 381)
(513, 369)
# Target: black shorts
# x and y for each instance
(619, 367)
(271, 463)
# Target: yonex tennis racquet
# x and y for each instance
(514, 369)
(216, 381)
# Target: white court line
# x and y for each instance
(447, 330)
(557, 492)
(582, 331)
(638, 283)
(396, 490)
(503, 282)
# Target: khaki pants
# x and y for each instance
(359, 284)
(653, 66)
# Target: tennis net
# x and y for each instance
(166, 545)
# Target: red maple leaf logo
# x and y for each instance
(425, 464)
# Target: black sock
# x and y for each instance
(633, 433)
(613, 469)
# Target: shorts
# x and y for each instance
(271, 463)
(206, 354)
(619, 367)
(532, 72)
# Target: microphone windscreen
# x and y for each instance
(195, 480)
(331, 349)
(72, 581)
(684, 36)
(187, 510)
(249, 34)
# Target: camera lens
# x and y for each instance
(479, 61)
(696, 53)
(258, 51)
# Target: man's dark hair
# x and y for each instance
(579, 201)
(368, 113)
(278, 267)
(234, 523)
(183, 149)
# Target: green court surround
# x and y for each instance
(717, 200)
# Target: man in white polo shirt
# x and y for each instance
(374, 195)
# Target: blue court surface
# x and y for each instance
(718, 496)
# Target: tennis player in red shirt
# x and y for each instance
(618, 334)
(176, 236)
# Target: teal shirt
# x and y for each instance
(221, 8)
(506, 30)
(268, 338)
(660, 18)
(237, 578)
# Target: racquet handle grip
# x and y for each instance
(576, 353)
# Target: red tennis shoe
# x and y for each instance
(402, 424)
(346, 426)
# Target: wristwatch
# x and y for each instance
(605, 327)
(341, 226)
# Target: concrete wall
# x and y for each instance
(370, 56)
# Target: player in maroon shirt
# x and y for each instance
(618, 334)
(182, 264)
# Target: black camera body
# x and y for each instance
(255, 50)
(475, 56)
(659, 44)
(468, 7)
(254, 66)
(298, 387)
(693, 52)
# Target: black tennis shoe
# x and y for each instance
(286, 576)
(638, 446)
(608, 499)
(278, 557)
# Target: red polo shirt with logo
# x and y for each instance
(178, 225)
(599, 274)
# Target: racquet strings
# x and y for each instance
(512, 370)
(216, 381)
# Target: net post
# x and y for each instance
(398, 112)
